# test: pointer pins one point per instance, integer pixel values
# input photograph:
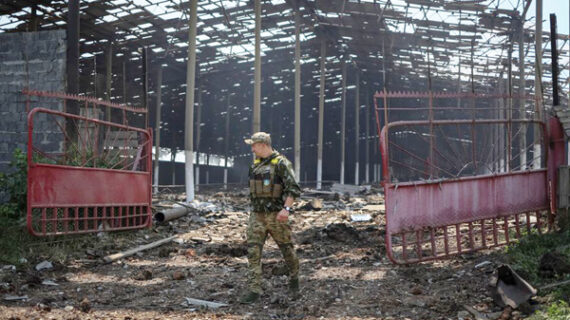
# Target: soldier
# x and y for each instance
(272, 191)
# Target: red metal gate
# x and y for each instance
(85, 174)
(455, 186)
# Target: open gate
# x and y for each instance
(454, 186)
(85, 174)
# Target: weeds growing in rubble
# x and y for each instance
(524, 256)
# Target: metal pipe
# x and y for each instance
(297, 144)
(171, 214)
(157, 126)
(321, 115)
(257, 70)
(189, 107)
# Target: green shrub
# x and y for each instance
(14, 185)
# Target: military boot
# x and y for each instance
(294, 288)
(249, 298)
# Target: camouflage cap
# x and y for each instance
(259, 137)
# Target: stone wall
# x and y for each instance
(34, 60)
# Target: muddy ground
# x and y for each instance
(344, 273)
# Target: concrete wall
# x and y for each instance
(34, 60)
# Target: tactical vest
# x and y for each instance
(263, 182)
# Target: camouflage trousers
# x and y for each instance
(259, 226)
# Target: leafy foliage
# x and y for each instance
(13, 187)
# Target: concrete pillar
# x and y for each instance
(108, 77)
(257, 70)
(157, 126)
(72, 70)
(189, 118)
(124, 84)
(538, 84)
(367, 141)
(297, 144)
(198, 130)
(227, 143)
(321, 116)
(522, 91)
(357, 130)
(145, 85)
(343, 123)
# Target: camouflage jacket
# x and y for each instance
(283, 175)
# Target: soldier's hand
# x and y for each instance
(283, 215)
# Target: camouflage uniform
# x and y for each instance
(271, 181)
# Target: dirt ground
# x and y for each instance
(344, 273)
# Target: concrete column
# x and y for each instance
(297, 145)
(257, 70)
(124, 84)
(157, 126)
(145, 85)
(357, 130)
(198, 129)
(522, 85)
(72, 70)
(538, 84)
(227, 143)
(367, 141)
(189, 118)
(108, 77)
(321, 115)
(343, 123)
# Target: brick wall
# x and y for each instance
(34, 60)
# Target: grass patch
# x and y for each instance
(20, 248)
(524, 257)
(558, 310)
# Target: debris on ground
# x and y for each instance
(198, 270)
(509, 289)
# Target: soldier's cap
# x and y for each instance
(259, 137)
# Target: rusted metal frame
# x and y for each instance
(483, 233)
(68, 115)
(461, 144)
(442, 108)
(90, 224)
(456, 154)
(73, 97)
(105, 142)
(419, 159)
(407, 166)
(438, 95)
(459, 247)
(437, 152)
(528, 147)
(419, 237)
(505, 225)
(384, 132)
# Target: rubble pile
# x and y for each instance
(200, 272)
